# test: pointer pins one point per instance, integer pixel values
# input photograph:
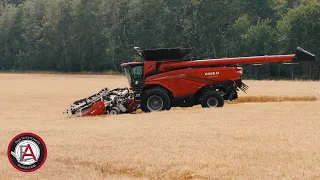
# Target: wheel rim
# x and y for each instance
(212, 102)
(155, 103)
(113, 112)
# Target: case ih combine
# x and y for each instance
(164, 80)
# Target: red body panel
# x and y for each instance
(149, 66)
(188, 81)
(132, 105)
(96, 110)
(187, 77)
(219, 74)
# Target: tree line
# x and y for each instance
(98, 35)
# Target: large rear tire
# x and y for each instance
(212, 99)
(156, 99)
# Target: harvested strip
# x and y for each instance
(263, 99)
(258, 99)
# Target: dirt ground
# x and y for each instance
(239, 141)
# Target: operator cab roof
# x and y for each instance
(163, 54)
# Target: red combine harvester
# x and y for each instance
(164, 80)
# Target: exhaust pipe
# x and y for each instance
(303, 55)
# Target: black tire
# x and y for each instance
(152, 99)
(212, 99)
(114, 111)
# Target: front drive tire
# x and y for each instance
(156, 99)
(212, 99)
(114, 111)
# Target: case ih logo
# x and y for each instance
(212, 73)
(27, 152)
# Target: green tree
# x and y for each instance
(301, 27)
(99, 35)
(88, 36)
(31, 55)
(57, 36)
(11, 39)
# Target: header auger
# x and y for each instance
(164, 80)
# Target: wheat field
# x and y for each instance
(270, 140)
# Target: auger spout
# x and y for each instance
(301, 55)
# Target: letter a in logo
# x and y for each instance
(24, 154)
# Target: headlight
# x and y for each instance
(240, 70)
